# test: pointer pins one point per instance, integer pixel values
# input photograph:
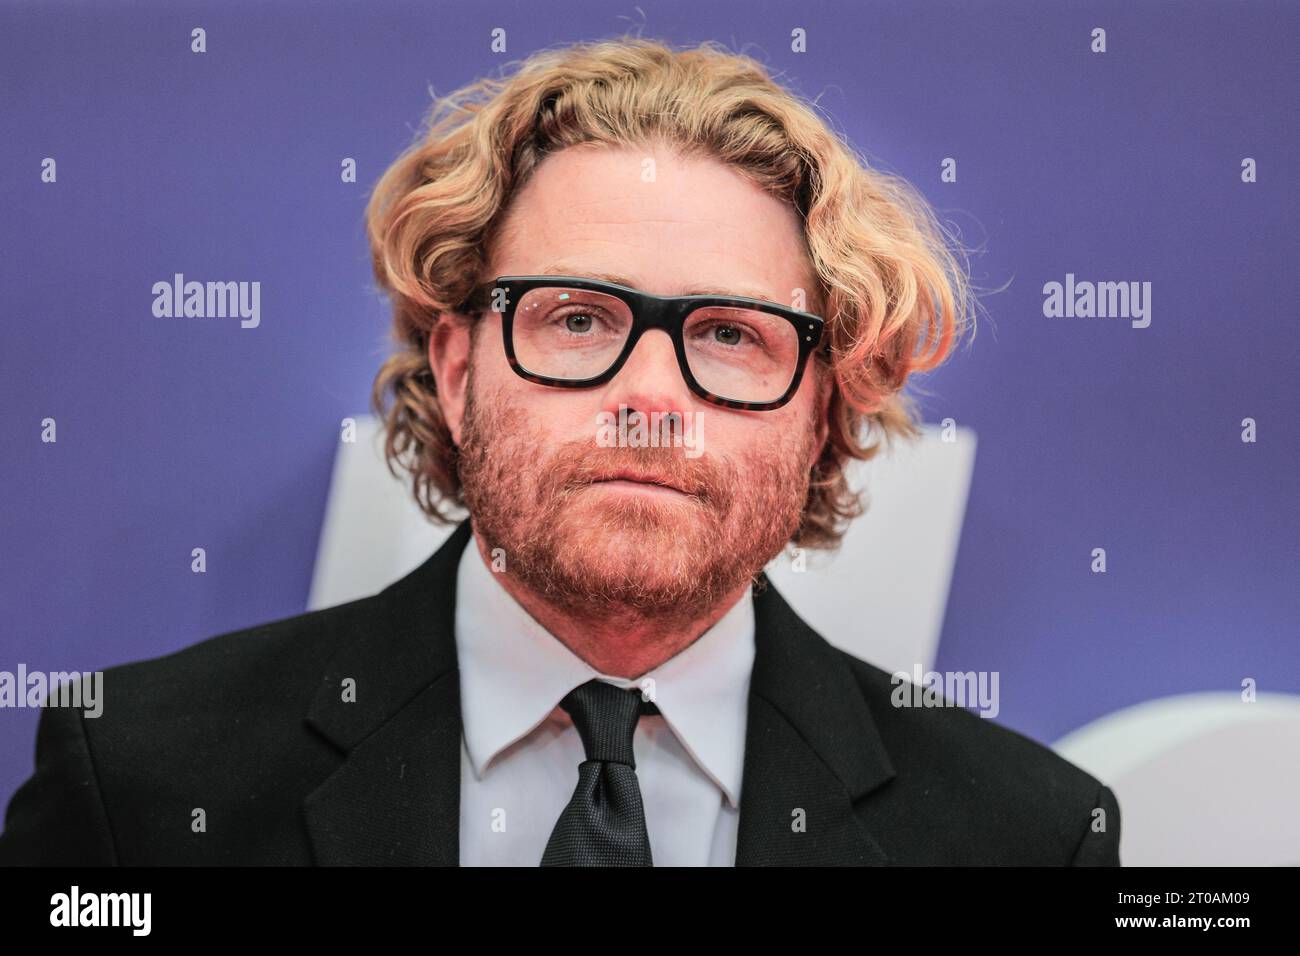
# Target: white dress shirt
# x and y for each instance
(520, 751)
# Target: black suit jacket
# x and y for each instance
(251, 728)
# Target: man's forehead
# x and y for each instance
(721, 236)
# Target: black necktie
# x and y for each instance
(604, 822)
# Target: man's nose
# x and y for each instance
(651, 380)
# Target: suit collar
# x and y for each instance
(812, 749)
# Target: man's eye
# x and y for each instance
(729, 334)
(578, 322)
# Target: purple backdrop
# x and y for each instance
(183, 433)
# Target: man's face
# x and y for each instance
(532, 456)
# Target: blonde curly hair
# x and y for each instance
(892, 291)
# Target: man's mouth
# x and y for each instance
(639, 481)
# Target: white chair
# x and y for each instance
(1202, 779)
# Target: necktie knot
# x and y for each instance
(606, 717)
(604, 821)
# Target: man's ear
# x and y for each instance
(449, 345)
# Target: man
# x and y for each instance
(593, 669)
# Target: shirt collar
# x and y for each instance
(513, 673)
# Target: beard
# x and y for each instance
(599, 554)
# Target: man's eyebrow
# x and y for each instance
(564, 269)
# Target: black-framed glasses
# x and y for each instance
(575, 332)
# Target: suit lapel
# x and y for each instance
(812, 750)
(395, 799)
